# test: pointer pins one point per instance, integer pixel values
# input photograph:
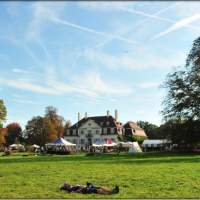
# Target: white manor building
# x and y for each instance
(89, 130)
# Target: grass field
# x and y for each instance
(139, 176)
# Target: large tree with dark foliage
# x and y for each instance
(183, 98)
(182, 103)
(151, 130)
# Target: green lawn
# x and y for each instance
(139, 176)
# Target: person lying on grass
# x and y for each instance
(88, 189)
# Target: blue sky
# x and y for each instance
(92, 56)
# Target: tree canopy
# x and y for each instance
(183, 98)
(182, 103)
(41, 130)
(151, 130)
(14, 133)
(3, 112)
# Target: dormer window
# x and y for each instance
(107, 123)
(101, 123)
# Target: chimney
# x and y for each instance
(108, 113)
(116, 115)
(85, 114)
(79, 116)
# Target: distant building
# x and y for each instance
(132, 129)
(89, 130)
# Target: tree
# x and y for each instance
(3, 112)
(183, 98)
(150, 129)
(181, 105)
(57, 121)
(14, 133)
(3, 133)
(40, 131)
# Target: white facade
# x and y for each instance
(89, 133)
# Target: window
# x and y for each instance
(75, 141)
(107, 123)
(68, 132)
(74, 132)
(101, 123)
(82, 132)
(89, 124)
(98, 131)
(112, 130)
(82, 141)
(105, 130)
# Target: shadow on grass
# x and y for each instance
(111, 159)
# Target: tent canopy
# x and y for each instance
(16, 145)
(62, 142)
(135, 148)
(126, 144)
(155, 143)
(109, 143)
(103, 143)
(98, 143)
(35, 146)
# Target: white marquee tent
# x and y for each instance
(60, 142)
(155, 143)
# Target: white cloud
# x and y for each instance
(104, 6)
(180, 24)
(147, 85)
(187, 8)
(42, 14)
(126, 7)
(93, 81)
(91, 85)
(17, 70)
(28, 86)
(152, 61)
(25, 101)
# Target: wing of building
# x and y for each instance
(131, 128)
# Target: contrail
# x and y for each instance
(178, 25)
(89, 30)
(155, 17)
(138, 24)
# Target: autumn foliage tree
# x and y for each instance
(38, 131)
(56, 121)
(41, 130)
(14, 133)
(3, 133)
